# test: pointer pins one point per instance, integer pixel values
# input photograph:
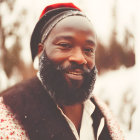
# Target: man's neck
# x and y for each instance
(74, 113)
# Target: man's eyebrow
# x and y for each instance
(91, 42)
(64, 37)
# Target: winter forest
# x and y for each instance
(117, 56)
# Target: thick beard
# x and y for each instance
(52, 78)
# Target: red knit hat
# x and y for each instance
(58, 5)
(47, 14)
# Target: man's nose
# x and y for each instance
(77, 57)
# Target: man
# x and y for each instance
(58, 103)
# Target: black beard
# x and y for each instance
(52, 78)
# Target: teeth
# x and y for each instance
(75, 73)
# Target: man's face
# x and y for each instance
(69, 51)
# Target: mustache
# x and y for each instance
(73, 66)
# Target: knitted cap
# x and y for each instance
(45, 20)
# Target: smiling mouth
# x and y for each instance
(75, 75)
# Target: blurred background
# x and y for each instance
(117, 23)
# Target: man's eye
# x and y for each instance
(65, 45)
(89, 51)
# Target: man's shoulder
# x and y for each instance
(110, 120)
(23, 93)
(100, 104)
(22, 87)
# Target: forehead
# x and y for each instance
(78, 24)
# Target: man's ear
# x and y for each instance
(40, 48)
(36, 60)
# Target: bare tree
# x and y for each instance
(10, 57)
(116, 54)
